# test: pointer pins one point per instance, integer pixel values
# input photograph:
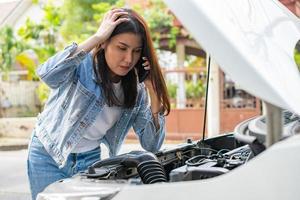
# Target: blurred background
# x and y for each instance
(33, 30)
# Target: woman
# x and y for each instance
(98, 92)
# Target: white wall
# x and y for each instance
(20, 93)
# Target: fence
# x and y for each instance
(18, 97)
(235, 105)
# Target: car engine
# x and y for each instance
(192, 160)
(188, 161)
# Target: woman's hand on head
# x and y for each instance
(110, 20)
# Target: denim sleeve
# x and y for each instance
(60, 68)
(150, 138)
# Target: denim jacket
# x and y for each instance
(76, 98)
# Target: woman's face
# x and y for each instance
(122, 52)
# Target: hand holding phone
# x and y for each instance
(141, 65)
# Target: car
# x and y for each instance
(253, 42)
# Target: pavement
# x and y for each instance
(14, 182)
(12, 144)
(16, 132)
(14, 138)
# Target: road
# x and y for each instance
(13, 182)
(13, 176)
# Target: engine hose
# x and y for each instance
(149, 168)
(151, 171)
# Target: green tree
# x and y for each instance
(194, 90)
(43, 38)
(76, 20)
(82, 17)
(160, 22)
(172, 89)
(10, 47)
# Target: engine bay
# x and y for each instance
(188, 161)
(192, 160)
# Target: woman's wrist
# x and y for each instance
(97, 39)
(89, 44)
(155, 119)
(155, 111)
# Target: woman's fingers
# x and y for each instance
(146, 64)
(110, 21)
(120, 20)
(116, 15)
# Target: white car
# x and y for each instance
(253, 42)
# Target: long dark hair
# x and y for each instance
(136, 25)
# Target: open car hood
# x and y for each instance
(252, 41)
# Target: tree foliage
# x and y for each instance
(160, 21)
(10, 48)
(194, 89)
(82, 19)
(43, 38)
(75, 20)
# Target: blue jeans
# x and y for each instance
(43, 170)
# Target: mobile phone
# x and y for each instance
(142, 73)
